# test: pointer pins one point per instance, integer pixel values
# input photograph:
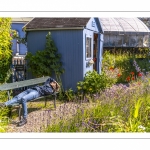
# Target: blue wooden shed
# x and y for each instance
(17, 24)
(78, 40)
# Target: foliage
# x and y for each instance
(123, 60)
(94, 82)
(5, 48)
(45, 62)
(3, 98)
(118, 109)
(6, 36)
(70, 94)
(19, 39)
(3, 124)
(71, 125)
(3, 111)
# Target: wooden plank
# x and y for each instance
(15, 85)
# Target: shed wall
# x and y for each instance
(70, 45)
(22, 47)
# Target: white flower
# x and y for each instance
(141, 127)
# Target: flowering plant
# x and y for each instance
(130, 77)
(91, 62)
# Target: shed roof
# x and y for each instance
(43, 23)
(123, 25)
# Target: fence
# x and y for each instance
(19, 67)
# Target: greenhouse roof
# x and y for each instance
(123, 25)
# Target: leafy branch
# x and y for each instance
(45, 62)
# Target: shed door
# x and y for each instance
(95, 51)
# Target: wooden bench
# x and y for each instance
(26, 84)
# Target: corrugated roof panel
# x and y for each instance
(123, 24)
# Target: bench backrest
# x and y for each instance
(15, 85)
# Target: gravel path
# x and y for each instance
(38, 120)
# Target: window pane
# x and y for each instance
(133, 41)
(125, 41)
(119, 41)
(112, 40)
(140, 41)
(88, 47)
(146, 41)
(106, 40)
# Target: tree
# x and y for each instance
(6, 35)
(5, 48)
(45, 62)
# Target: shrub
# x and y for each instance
(94, 82)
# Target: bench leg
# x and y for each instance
(10, 112)
(45, 101)
(55, 100)
(19, 111)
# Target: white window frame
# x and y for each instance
(88, 46)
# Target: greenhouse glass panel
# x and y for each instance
(133, 41)
(119, 41)
(125, 41)
(140, 40)
(146, 41)
(106, 40)
(112, 40)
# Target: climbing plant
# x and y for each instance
(20, 40)
(45, 62)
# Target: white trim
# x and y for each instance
(88, 36)
(20, 22)
(27, 23)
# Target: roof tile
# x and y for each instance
(39, 23)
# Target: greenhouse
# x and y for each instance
(125, 32)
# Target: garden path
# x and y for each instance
(38, 120)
